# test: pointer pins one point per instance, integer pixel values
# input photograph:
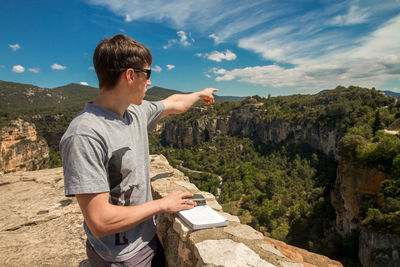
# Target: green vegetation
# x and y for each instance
(283, 190)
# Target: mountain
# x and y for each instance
(391, 93)
(158, 93)
(18, 96)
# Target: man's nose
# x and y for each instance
(148, 82)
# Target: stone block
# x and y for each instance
(242, 232)
(181, 229)
(226, 252)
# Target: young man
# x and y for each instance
(106, 157)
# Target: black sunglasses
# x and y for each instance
(147, 71)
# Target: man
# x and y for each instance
(106, 157)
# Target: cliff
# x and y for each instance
(37, 217)
(352, 186)
(247, 121)
(20, 148)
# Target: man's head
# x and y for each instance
(116, 54)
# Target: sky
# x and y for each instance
(243, 48)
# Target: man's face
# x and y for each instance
(140, 86)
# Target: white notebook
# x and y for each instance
(201, 217)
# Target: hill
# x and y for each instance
(19, 97)
(391, 93)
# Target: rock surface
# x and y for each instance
(39, 226)
(248, 122)
(378, 249)
(352, 184)
(20, 149)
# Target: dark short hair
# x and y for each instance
(115, 54)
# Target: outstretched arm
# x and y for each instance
(179, 103)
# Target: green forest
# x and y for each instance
(283, 190)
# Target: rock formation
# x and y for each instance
(351, 187)
(20, 148)
(39, 226)
(378, 249)
(247, 121)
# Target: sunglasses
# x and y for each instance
(147, 71)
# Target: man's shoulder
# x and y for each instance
(85, 124)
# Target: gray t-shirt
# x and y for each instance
(103, 152)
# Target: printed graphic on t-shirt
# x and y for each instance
(120, 167)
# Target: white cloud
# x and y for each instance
(184, 39)
(156, 68)
(128, 18)
(375, 59)
(217, 40)
(171, 42)
(355, 15)
(84, 83)
(91, 68)
(170, 67)
(219, 56)
(14, 47)
(18, 69)
(303, 48)
(34, 70)
(56, 66)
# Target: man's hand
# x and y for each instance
(179, 103)
(176, 201)
(207, 95)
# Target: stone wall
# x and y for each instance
(39, 226)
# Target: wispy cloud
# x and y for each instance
(344, 42)
(219, 56)
(56, 66)
(34, 70)
(170, 67)
(376, 58)
(217, 40)
(84, 83)
(18, 69)
(14, 47)
(355, 15)
(156, 68)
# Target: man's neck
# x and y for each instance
(112, 100)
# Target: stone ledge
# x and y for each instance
(234, 245)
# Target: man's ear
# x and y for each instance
(129, 75)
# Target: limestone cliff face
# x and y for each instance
(377, 249)
(247, 121)
(352, 184)
(20, 148)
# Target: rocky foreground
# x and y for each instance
(39, 226)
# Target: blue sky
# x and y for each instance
(240, 47)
